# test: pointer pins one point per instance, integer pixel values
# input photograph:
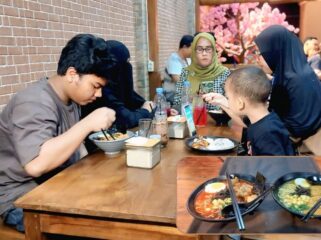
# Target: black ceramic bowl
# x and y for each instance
(191, 200)
(220, 117)
(286, 178)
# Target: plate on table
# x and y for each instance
(297, 194)
(211, 144)
(208, 199)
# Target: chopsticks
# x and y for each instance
(109, 133)
(153, 114)
(237, 212)
(309, 214)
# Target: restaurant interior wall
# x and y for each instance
(32, 34)
(310, 19)
(173, 22)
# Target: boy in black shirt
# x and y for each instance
(247, 91)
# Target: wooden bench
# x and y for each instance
(8, 233)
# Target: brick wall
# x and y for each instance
(32, 34)
(173, 22)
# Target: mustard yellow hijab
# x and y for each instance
(198, 74)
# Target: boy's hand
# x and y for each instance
(215, 99)
(101, 118)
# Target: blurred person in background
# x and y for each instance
(174, 66)
(312, 51)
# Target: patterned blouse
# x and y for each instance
(217, 85)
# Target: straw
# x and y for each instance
(199, 116)
(237, 212)
(153, 114)
(200, 91)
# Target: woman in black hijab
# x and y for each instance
(119, 93)
(296, 90)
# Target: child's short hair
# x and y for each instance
(250, 82)
(88, 54)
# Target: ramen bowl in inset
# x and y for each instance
(214, 186)
(296, 192)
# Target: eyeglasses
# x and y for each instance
(200, 50)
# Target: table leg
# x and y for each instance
(32, 226)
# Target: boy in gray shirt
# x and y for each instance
(40, 131)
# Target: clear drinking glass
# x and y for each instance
(145, 127)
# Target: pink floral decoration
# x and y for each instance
(236, 25)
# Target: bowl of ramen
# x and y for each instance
(207, 200)
(297, 193)
(110, 146)
(211, 144)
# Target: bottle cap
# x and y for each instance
(159, 90)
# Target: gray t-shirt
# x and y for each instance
(32, 117)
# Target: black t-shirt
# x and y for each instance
(269, 136)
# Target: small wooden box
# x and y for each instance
(142, 152)
(177, 127)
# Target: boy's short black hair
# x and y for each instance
(88, 54)
(186, 41)
(250, 82)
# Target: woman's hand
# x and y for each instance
(173, 112)
(148, 105)
(215, 99)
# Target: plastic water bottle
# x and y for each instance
(186, 96)
(160, 118)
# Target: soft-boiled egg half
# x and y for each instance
(302, 182)
(215, 187)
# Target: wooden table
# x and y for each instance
(194, 170)
(101, 197)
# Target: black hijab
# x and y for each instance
(120, 79)
(296, 92)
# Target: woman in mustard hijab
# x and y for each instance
(205, 73)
